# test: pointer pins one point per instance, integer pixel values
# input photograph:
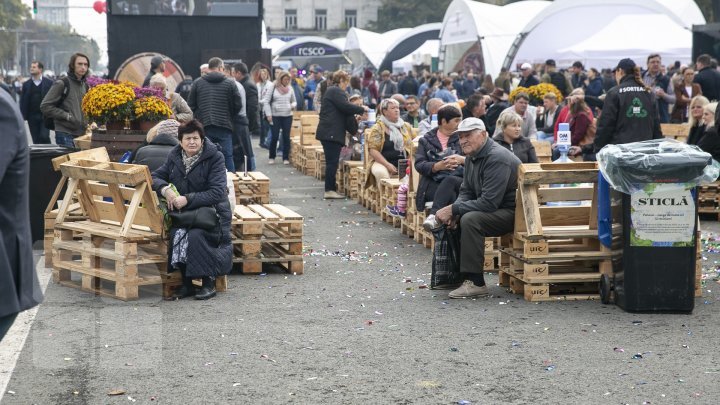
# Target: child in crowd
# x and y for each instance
(398, 211)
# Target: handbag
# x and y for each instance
(200, 218)
(446, 259)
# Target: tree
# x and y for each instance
(408, 13)
(12, 15)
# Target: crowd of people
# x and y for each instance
(471, 136)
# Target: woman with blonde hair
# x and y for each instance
(710, 142)
(695, 119)
(178, 105)
(278, 104)
(510, 137)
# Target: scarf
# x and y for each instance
(396, 137)
(283, 89)
(189, 161)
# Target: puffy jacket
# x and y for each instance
(522, 148)
(334, 115)
(154, 154)
(430, 143)
(490, 180)
(628, 115)
(215, 100)
(209, 252)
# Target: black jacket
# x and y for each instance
(333, 114)
(629, 115)
(155, 154)
(493, 113)
(45, 86)
(490, 180)
(19, 287)
(252, 105)
(709, 81)
(215, 100)
(209, 252)
(710, 142)
(696, 133)
(428, 144)
(522, 148)
(183, 89)
(541, 121)
(531, 80)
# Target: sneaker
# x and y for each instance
(271, 161)
(286, 162)
(393, 211)
(430, 224)
(333, 195)
(468, 289)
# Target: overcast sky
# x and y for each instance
(87, 22)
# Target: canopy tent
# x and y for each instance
(567, 23)
(263, 36)
(340, 42)
(305, 51)
(606, 47)
(367, 47)
(274, 44)
(410, 42)
(421, 56)
(478, 36)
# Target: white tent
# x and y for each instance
(421, 56)
(566, 23)
(410, 42)
(370, 46)
(606, 47)
(480, 35)
(274, 44)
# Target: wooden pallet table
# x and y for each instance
(251, 188)
(387, 192)
(269, 233)
(558, 244)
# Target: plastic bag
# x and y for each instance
(446, 259)
(628, 167)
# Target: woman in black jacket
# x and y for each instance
(510, 137)
(196, 169)
(695, 119)
(332, 127)
(160, 140)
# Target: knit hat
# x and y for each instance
(167, 127)
(155, 62)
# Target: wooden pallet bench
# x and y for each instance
(572, 289)
(351, 176)
(309, 123)
(269, 233)
(251, 188)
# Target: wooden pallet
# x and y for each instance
(251, 188)
(320, 164)
(571, 290)
(309, 124)
(351, 175)
(311, 154)
(269, 233)
(371, 199)
(678, 132)
(387, 193)
(422, 236)
(295, 151)
(543, 151)
(407, 225)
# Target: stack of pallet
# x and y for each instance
(388, 193)
(709, 199)
(351, 170)
(268, 233)
(120, 247)
(251, 187)
(556, 253)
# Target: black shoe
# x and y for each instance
(208, 289)
(184, 292)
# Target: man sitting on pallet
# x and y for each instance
(486, 204)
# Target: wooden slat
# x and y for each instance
(564, 215)
(69, 194)
(264, 213)
(284, 212)
(558, 173)
(531, 209)
(127, 174)
(98, 154)
(546, 195)
(246, 214)
(132, 209)
(109, 231)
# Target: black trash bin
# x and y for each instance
(43, 180)
(657, 269)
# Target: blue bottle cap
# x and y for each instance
(564, 126)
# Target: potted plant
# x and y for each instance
(149, 110)
(109, 104)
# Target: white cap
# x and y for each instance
(525, 66)
(470, 124)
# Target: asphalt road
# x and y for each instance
(352, 330)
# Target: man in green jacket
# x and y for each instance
(64, 105)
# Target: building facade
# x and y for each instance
(54, 12)
(329, 18)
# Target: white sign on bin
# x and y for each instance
(563, 135)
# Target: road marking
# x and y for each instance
(14, 341)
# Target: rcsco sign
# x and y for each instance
(311, 49)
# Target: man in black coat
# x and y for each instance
(19, 287)
(33, 91)
(708, 78)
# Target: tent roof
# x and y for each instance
(409, 42)
(584, 18)
(496, 26)
(340, 42)
(274, 44)
(606, 47)
(372, 44)
(303, 40)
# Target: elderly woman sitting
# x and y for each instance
(386, 142)
(181, 110)
(194, 184)
(510, 137)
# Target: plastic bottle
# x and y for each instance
(433, 121)
(371, 117)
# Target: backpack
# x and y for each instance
(50, 122)
(559, 81)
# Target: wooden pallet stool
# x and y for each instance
(351, 178)
(422, 236)
(388, 189)
(295, 151)
(251, 188)
(407, 225)
(269, 233)
(309, 124)
(555, 249)
(121, 243)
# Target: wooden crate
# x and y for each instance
(387, 192)
(351, 177)
(309, 126)
(709, 200)
(251, 188)
(558, 245)
(567, 291)
(320, 164)
(269, 233)
(543, 151)
(407, 225)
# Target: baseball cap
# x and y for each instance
(525, 66)
(470, 124)
(550, 62)
(625, 65)
(318, 69)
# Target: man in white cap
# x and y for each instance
(528, 77)
(486, 204)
